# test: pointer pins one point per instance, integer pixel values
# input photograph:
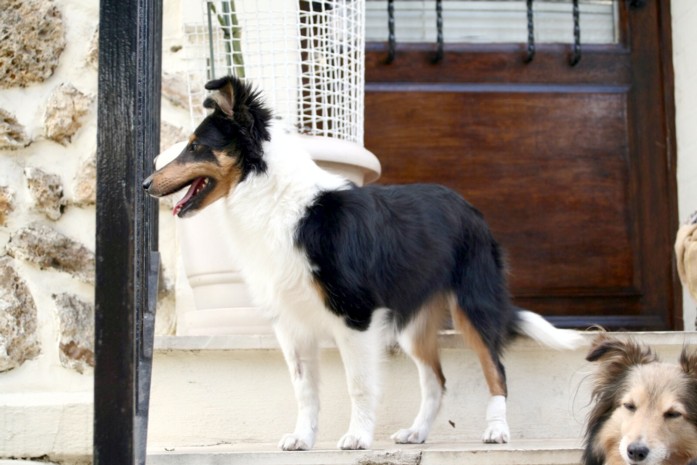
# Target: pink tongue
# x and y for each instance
(187, 197)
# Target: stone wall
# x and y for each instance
(48, 122)
(48, 117)
(48, 128)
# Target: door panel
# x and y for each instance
(558, 159)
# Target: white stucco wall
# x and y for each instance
(684, 13)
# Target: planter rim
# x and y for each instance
(333, 150)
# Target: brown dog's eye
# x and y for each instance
(194, 146)
(670, 414)
(629, 406)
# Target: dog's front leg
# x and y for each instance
(360, 353)
(301, 354)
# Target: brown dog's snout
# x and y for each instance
(637, 451)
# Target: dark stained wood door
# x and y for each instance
(573, 167)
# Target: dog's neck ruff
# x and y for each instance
(263, 213)
(288, 186)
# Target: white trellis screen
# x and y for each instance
(306, 56)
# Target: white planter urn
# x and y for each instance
(211, 296)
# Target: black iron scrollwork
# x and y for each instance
(637, 3)
(439, 27)
(391, 41)
(531, 33)
(576, 53)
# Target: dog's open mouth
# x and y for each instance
(197, 190)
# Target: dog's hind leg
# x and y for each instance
(420, 341)
(301, 354)
(361, 352)
(497, 427)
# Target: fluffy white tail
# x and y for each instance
(535, 327)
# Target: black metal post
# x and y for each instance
(128, 135)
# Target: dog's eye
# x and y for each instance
(629, 406)
(670, 414)
(194, 145)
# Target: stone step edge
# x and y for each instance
(521, 452)
(449, 339)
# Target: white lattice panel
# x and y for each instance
(307, 57)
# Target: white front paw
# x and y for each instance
(351, 441)
(409, 436)
(497, 432)
(292, 441)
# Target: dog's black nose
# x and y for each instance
(637, 451)
(147, 182)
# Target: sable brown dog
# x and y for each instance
(645, 411)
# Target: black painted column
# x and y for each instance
(126, 243)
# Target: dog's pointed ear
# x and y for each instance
(222, 97)
(688, 362)
(611, 351)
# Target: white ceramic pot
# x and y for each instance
(212, 298)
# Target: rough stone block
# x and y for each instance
(85, 182)
(12, 134)
(170, 135)
(47, 248)
(64, 111)
(7, 203)
(76, 345)
(32, 40)
(18, 329)
(175, 89)
(92, 58)
(46, 191)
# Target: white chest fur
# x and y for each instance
(263, 214)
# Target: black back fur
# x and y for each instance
(396, 246)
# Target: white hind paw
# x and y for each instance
(351, 441)
(293, 442)
(409, 436)
(496, 433)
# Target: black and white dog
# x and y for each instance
(363, 265)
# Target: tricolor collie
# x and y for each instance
(644, 411)
(363, 265)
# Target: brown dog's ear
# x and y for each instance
(223, 97)
(688, 362)
(610, 350)
(616, 358)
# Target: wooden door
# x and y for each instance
(573, 167)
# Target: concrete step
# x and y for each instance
(524, 452)
(235, 390)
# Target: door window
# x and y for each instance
(494, 21)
